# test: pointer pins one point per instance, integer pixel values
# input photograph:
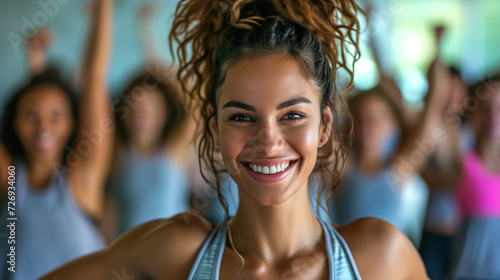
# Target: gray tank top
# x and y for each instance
(50, 230)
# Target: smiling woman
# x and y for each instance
(269, 119)
(263, 72)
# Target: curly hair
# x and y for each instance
(209, 36)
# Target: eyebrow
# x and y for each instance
(244, 106)
(240, 105)
(293, 101)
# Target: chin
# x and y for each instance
(265, 196)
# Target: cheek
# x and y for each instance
(232, 143)
(24, 129)
(160, 118)
(303, 140)
(305, 137)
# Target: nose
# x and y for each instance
(268, 140)
(43, 124)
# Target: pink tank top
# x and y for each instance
(478, 189)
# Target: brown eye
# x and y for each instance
(293, 116)
(239, 118)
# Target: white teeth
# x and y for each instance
(44, 140)
(273, 169)
(253, 167)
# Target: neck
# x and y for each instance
(40, 172)
(275, 233)
(368, 159)
(144, 148)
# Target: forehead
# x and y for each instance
(141, 93)
(272, 79)
(371, 102)
(44, 95)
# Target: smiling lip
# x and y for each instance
(44, 140)
(284, 167)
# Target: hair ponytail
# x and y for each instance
(199, 25)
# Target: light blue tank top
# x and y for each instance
(376, 195)
(50, 229)
(367, 195)
(476, 250)
(341, 264)
(147, 188)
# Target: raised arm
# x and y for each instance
(386, 82)
(96, 127)
(371, 42)
(416, 149)
(36, 50)
(148, 42)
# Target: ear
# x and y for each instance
(212, 125)
(325, 129)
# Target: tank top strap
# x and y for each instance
(207, 264)
(341, 262)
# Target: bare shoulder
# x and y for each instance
(382, 251)
(163, 244)
(159, 249)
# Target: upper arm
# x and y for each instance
(154, 249)
(94, 138)
(96, 123)
(381, 251)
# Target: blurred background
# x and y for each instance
(153, 168)
(403, 30)
(69, 22)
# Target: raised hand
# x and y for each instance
(440, 86)
(147, 10)
(37, 46)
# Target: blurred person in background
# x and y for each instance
(153, 151)
(61, 153)
(382, 175)
(477, 246)
(442, 216)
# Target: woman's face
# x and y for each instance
(268, 128)
(374, 124)
(44, 122)
(146, 120)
